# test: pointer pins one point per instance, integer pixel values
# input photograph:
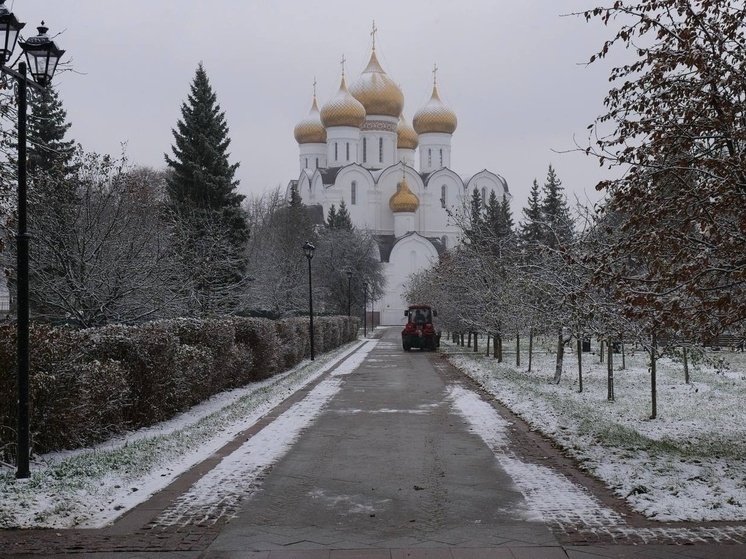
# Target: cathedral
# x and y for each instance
(394, 177)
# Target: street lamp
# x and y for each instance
(365, 309)
(42, 56)
(308, 249)
(349, 293)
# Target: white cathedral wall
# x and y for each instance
(410, 255)
(362, 208)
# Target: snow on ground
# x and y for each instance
(687, 464)
(92, 487)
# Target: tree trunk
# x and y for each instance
(488, 344)
(517, 349)
(462, 339)
(601, 350)
(610, 371)
(530, 347)
(560, 358)
(494, 346)
(686, 367)
(653, 388)
(499, 348)
(624, 361)
(469, 340)
(580, 363)
(476, 335)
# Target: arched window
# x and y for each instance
(347, 151)
(317, 162)
(441, 157)
(336, 151)
(484, 196)
(443, 196)
(353, 193)
(306, 162)
(380, 150)
(365, 150)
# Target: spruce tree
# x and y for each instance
(203, 197)
(202, 177)
(532, 227)
(558, 230)
(339, 219)
(48, 151)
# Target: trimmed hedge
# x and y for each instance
(88, 385)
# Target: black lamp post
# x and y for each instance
(349, 292)
(365, 309)
(42, 56)
(308, 249)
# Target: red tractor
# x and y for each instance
(420, 331)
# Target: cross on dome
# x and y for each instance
(373, 34)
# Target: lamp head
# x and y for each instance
(308, 249)
(9, 29)
(43, 55)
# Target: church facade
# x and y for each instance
(394, 177)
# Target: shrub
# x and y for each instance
(87, 385)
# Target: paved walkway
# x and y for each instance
(393, 467)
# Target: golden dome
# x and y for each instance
(310, 130)
(406, 137)
(404, 200)
(377, 92)
(343, 109)
(435, 116)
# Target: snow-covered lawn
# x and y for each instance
(687, 464)
(92, 487)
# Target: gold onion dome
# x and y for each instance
(343, 109)
(406, 137)
(310, 130)
(435, 116)
(377, 92)
(404, 200)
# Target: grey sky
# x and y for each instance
(510, 69)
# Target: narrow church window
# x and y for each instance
(348, 151)
(441, 157)
(353, 193)
(336, 151)
(365, 150)
(443, 193)
(317, 162)
(380, 150)
(306, 162)
(484, 197)
(429, 157)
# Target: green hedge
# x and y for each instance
(88, 385)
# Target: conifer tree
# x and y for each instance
(558, 224)
(531, 230)
(48, 151)
(203, 197)
(339, 219)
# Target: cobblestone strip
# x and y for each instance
(573, 513)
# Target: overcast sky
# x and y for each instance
(511, 70)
